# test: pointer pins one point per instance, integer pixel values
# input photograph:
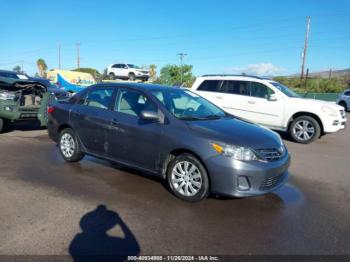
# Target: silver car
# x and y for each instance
(343, 99)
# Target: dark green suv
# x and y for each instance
(23, 100)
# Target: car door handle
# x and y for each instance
(114, 122)
(251, 102)
(219, 97)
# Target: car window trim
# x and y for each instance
(219, 89)
(222, 83)
(96, 87)
(250, 87)
(117, 97)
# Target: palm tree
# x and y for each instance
(153, 71)
(42, 67)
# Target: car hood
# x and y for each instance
(142, 70)
(234, 131)
(317, 103)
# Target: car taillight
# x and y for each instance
(50, 109)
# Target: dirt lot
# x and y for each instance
(51, 207)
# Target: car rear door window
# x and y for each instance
(260, 90)
(132, 102)
(347, 93)
(236, 87)
(100, 98)
(210, 86)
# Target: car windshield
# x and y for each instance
(133, 66)
(184, 104)
(285, 90)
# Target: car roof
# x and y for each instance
(234, 77)
(140, 86)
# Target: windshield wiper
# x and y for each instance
(209, 117)
(212, 117)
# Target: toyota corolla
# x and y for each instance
(175, 134)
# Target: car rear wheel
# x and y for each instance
(187, 178)
(69, 146)
(304, 129)
(132, 77)
(111, 76)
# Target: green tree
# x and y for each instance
(42, 67)
(17, 69)
(176, 75)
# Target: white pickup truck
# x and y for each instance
(272, 104)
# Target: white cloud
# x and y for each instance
(258, 69)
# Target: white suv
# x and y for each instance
(344, 99)
(127, 71)
(272, 104)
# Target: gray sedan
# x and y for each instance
(172, 133)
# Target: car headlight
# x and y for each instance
(9, 108)
(329, 111)
(236, 152)
(7, 96)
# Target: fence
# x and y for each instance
(320, 96)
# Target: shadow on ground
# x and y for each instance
(96, 244)
(23, 126)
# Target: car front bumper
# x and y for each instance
(334, 124)
(235, 178)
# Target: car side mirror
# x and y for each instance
(150, 115)
(272, 97)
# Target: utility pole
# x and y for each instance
(59, 55)
(78, 55)
(306, 77)
(182, 56)
(305, 47)
(330, 74)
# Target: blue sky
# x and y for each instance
(219, 36)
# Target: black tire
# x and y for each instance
(111, 76)
(343, 104)
(312, 124)
(77, 154)
(2, 125)
(203, 190)
(132, 77)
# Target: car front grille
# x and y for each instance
(271, 154)
(271, 182)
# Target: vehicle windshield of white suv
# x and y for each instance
(133, 66)
(186, 105)
(285, 90)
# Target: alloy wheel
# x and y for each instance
(304, 130)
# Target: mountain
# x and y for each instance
(325, 74)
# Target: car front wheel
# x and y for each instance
(304, 129)
(132, 77)
(69, 146)
(187, 178)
